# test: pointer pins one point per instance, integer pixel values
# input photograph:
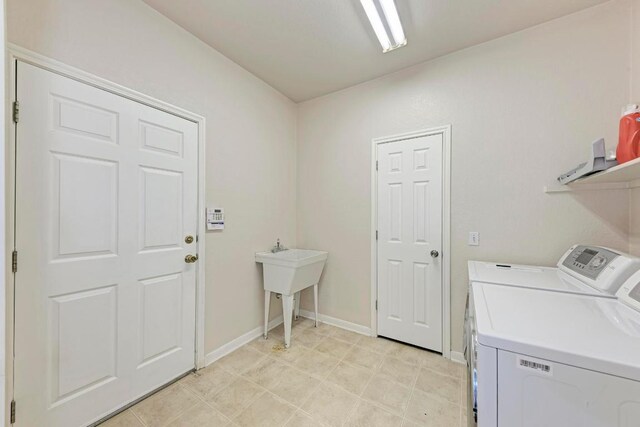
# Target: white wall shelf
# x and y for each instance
(625, 176)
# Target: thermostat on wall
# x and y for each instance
(215, 219)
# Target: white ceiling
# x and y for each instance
(308, 48)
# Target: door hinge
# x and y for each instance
(376, 165)
(16, 111)
(14, 261)
(376, 234)
(13, 412)
(376, 305)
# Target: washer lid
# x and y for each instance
(600, 334)
(529, 276)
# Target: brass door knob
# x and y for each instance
(190, 259)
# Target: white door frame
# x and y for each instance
(18, 53)
(445, 131)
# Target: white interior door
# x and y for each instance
(104, 301)
(409, 228)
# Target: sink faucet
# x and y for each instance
(278, 247)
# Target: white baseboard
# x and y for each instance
(353, 327)
(457, 356)
(235, 344)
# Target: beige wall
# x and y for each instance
(634, 221)
(523, 109)
(634, 97)
(251, 130)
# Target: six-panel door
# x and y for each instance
(409, 212)
(105, 304)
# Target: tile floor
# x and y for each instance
(329, 377)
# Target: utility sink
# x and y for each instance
(288, 272)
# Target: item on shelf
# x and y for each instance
(598, 161)
(629, 137)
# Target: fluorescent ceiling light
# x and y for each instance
(393, 22)
(376, 23)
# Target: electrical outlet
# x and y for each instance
(474, 238)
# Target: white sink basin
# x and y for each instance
(292, 257)
(288, 272)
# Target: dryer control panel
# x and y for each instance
(602, 268)
(588, 261)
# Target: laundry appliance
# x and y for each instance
(525, 316)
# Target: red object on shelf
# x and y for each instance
(629, 138)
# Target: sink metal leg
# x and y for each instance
(267, 304)
(296, 309)
(287, 312)
(315, 302)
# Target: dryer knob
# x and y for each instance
(598, 262)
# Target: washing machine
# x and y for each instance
(553, 359)
(583, 270)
